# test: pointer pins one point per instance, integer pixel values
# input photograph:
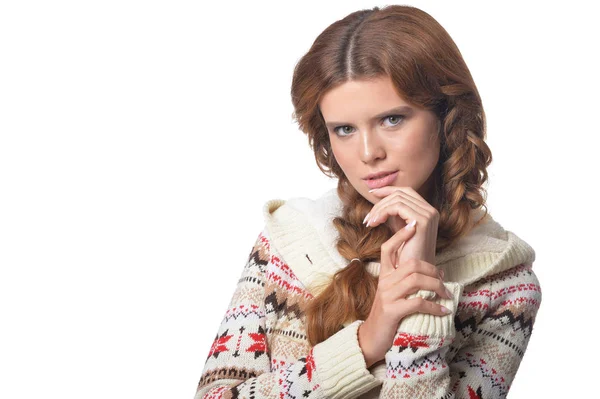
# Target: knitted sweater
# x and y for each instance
(261, 349)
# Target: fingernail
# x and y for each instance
(373, 190)
(445, 310)
(448, 293)
(366, 217)
(410, 225)
(442, 273)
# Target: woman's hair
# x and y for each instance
(427, 70)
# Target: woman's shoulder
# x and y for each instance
(486, 250)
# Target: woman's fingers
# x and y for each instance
(397, 206)
(416, 281)
(418, 266)
(390, 247)
(390, 194)
(411, 274)
(387, 190)
(422, 305)
(399, 252)
(421, 206)
(381, 203)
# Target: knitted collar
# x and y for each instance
(302, 231)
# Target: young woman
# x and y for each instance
(398, 283)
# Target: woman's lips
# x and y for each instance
(382, 181)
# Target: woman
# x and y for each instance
(398, 283)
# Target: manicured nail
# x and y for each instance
(373, 190)
(366, 217)
(448, 293)
(445, 310)
(410, 225)
(373, 219)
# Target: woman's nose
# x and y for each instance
(371, 147)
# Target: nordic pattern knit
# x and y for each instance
(261, 350)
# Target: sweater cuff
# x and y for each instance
(431, 325)
(341, 365)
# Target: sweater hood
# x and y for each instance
(302, 231)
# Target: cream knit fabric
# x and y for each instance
(261, 350)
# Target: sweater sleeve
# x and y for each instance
(486, 362)
(416, 365)
(239, 361)
(486, 366)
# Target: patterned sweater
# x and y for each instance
(261, 349)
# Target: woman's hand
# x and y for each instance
(399, 206)
(390, 306)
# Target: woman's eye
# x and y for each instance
(345, 132)
(393, 118)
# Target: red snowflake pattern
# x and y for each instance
(219, 345)
(413, 342)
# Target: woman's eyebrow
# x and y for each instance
(403, 108)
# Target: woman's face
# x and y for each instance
(373, 130)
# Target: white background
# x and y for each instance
(140, 139)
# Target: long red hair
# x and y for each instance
(427, 70)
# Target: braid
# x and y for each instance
(351, 292)
(462, 173)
